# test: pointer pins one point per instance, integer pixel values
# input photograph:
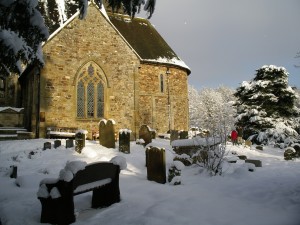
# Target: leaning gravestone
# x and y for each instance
(124, 140)
(69, 143)
(156, 164)
(57, 143)
(47, 145)
(107, 133)
(145, 134)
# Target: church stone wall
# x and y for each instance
(163, 109)
(92, 40)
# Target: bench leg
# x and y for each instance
(106, 195)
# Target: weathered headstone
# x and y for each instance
(124, 140)
(110, 134)
(47, 145)
(145, 134)
(57, 143)
(183, 134)
(80, 140)
(102, 130)
(107, 133)
(174, 135)
(156, 164)
(69, 143)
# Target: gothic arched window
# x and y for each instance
(90, 94)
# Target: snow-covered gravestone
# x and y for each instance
(47, 145)
(173, 135)
(183, 134)
(156, 164)
(124, 140)
(69, 143)
(145, 134)
(57, 143)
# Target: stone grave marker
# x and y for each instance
(57, 143)
(102, 128)
(174, 135)
(80, 140)
(156, 164)
(13, 171)
(47, 145)
(183, 134)
(69, 143)
(110, 134)
(124, 140)
(145, 134)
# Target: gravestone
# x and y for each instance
(47, 145)
(57, 143)
(183, 134)
(145, 134)
(107, 133)
(110, 134)
(80, 140)
(174, 135)
(69, 143)
(124, 141)
(102, 128)
(156, 164)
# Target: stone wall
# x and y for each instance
(83, 42)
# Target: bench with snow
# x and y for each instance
(61, 132)
(56, 195)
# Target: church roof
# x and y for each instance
(145, 40)
(137, 32)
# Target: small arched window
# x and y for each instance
(161, 79)
(90, 94)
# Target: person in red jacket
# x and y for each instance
(234, 136)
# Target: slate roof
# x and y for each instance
(138, 33)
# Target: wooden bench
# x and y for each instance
(61, 132)
(58, 205)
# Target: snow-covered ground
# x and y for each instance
(268, 196)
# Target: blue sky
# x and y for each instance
(224, 42)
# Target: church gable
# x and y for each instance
(88, 74)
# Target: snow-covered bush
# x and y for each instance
(289, 153)
(212, 160)
(174, 174)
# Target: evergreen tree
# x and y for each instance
(266, 100)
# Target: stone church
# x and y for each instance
(110, 66)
